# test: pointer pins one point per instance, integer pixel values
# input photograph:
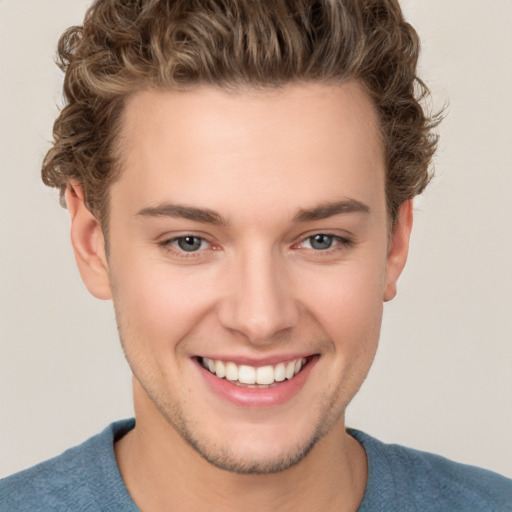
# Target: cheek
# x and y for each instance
(347, 302)
(156, 301)
(350, 313)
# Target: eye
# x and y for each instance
(189, 243)
(181, 245)
(325, 243)
(320, 242)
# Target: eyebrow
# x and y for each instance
(184, 212)
(322, 211)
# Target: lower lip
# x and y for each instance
(278, 394)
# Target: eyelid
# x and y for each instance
(341, 242)
(171, 237)
(343, 236)
(167, 243)
(175, 243)
(337, 238)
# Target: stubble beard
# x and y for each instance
(223, 457)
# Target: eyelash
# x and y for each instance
(339, 243)
(168, 245)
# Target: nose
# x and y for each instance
(260, 302)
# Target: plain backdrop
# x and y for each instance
(442, 380)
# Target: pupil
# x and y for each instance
(321, 242)
(189, 243)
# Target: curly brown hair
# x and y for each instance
(129, 45)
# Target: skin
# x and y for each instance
(255, 288)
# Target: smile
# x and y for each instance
(250, 376)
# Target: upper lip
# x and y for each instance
(257, 362)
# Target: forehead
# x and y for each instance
(248, 150)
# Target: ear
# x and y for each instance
(398, 248)
(88, 244)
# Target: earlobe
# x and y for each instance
(88, 244)
(398, 249)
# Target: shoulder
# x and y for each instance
(81, 478)
(415, 480)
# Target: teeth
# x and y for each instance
(231, 371)
(265, 375)
(246, 374)
(280, 372)
(251, 376)
(220, 369)
(290, 370)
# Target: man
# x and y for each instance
(239, 177)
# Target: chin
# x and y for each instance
(255, 455)
(256, 448)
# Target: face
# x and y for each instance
(249, 259)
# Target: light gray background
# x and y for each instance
(442, 379)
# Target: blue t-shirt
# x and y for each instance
(87, 478)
